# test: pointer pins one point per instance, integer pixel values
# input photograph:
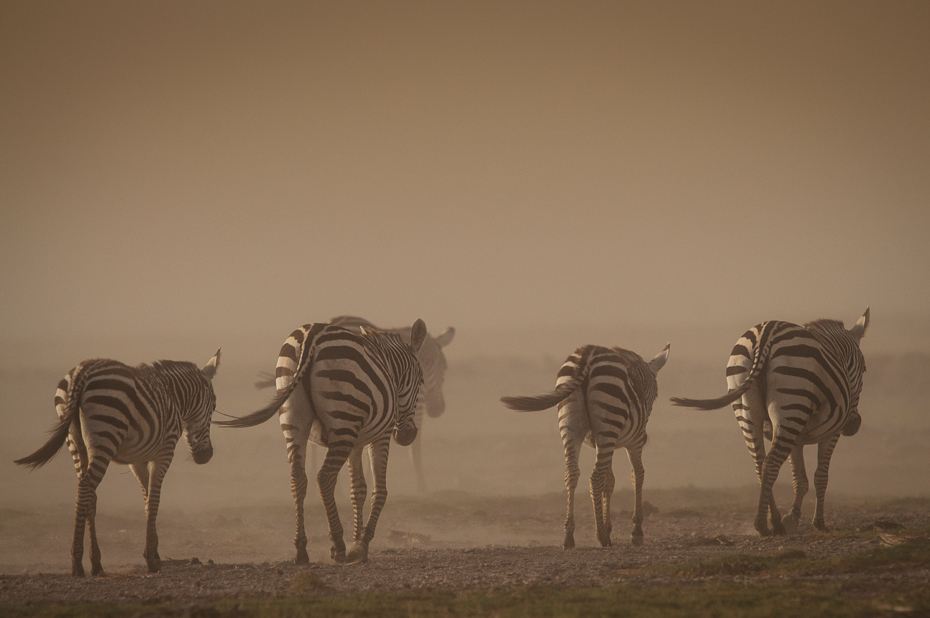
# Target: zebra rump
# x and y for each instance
(758, 364)
(303, 354)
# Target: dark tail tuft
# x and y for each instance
(51, 447)
(542, 402)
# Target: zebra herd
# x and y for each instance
(347, 385)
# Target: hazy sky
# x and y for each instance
(225, 167)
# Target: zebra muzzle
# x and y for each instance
(405, 437)
(203, 455)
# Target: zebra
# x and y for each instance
(604, 396)
(432, 361)
(343, 389)
(109, 411)
(795, 385)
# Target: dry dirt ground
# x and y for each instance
(439, 541)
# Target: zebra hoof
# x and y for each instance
(154, 565)
(302, 557)
(778, 529)
(358, 553)
(790, 523)
(636, 539)
(77, 570)
(820, 525)
(339, 556)
(97, 570)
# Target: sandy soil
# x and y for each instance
(444, 541)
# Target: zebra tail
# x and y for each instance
(543, 402)
(266, 380)
(305, 354)
(758, 363)
(59, 432)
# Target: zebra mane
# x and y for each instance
(826, 325)
(628, 355)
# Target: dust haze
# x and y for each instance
(180, 176)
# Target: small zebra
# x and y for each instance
(432, 362)
(795, 385)
(109, 411)
(605, 396)
(344, 390)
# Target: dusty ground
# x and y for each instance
(440, 541)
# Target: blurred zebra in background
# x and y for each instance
(344, 389)
(109, 411)
(604, 396)
(795, 385)
(432, 362)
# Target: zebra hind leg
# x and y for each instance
(599, 495)
(336, 456)
(358, 491)
(572, 474)
(773, 462)
(799, 480)
(824, 453)
(84, 512)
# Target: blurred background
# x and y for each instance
(177, 176)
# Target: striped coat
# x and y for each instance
(110, 412)
(796, 385)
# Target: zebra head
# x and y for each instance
(855, 367)
(433, 364)
(201, 405)
(408, 395)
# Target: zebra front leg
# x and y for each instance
(416, 454)
(358, 490)
(799, 480)
(378, 453)
(824, 453)
(599, 494)
(157, 471)
(336, 456)
(637, 475)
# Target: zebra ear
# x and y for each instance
(858, 331)
(417, 335)
(209, 370)
(446, 338)
(659, 361)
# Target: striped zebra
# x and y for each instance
(795, 385)
(432, 362)
(344, 390)
(604, 397)
(109, 411)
